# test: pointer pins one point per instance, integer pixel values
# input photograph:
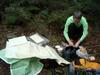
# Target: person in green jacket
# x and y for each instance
(76, 29)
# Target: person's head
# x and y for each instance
(77, 16)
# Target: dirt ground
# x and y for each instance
(92, 43)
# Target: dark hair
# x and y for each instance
(77, 14)
(69, 53)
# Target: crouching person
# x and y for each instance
(76, 29)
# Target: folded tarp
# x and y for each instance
(39, 39)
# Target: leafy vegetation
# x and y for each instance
(25, 12)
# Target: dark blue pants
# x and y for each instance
(70, 69)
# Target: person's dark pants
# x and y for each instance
(70, 69)
(85, 72)
(98, 71)
(75, 32)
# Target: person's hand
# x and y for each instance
(82, 48)
(77, 43)
(70, 43)
(65, 44)
(92, 58)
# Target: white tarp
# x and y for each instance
(24, 56)
(28, 49)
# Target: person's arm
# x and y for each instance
(66, 30)
(85, 29)
(68, 22)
